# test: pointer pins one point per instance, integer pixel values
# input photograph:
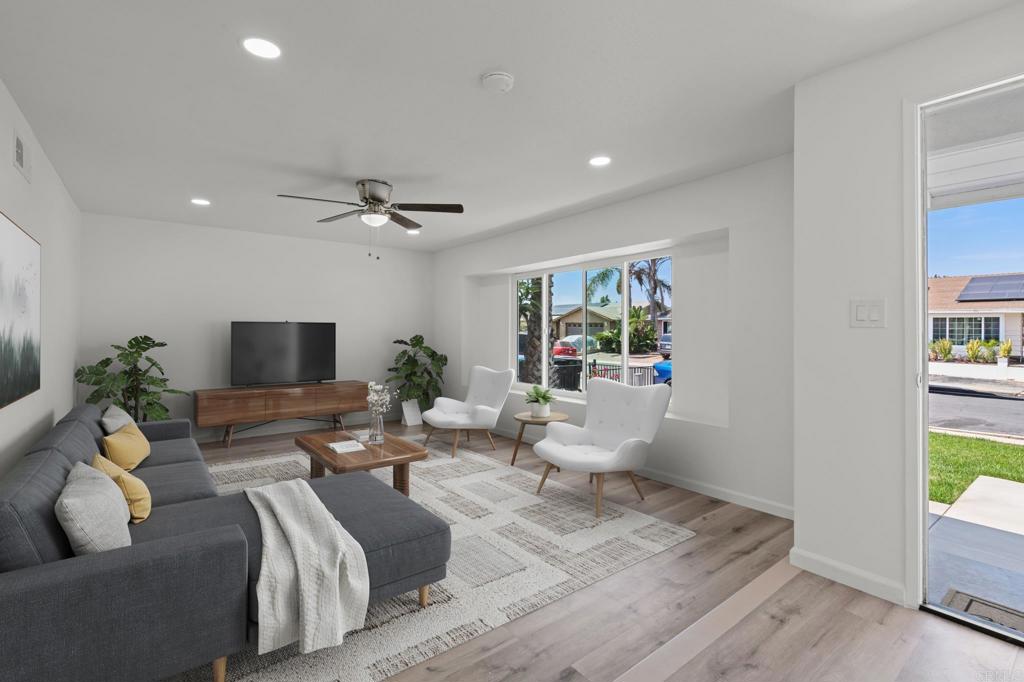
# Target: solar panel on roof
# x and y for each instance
(993, 288)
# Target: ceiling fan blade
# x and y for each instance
(340, 216)
(433, 208)
(403, 221)
(330, 201)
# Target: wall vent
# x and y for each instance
(22, 156)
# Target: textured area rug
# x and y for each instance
(513, 551)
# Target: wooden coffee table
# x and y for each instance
(394, 452)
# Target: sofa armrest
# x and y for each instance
(168, 429)
(141, 612)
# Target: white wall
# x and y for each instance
(731, 435)
(44, 209)
(184, 284)
(856, 419)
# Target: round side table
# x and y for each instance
(525, 418)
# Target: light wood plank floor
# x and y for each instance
(811, 629)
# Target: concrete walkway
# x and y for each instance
(976, 545)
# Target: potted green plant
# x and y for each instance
(1005, 349)
(539, 399)
(419, 372)
(137, 387)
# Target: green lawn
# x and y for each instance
(955, 461)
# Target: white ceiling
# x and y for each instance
(142, 104)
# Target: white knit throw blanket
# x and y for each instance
(313, 585)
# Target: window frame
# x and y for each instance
(966, 327)
(583, 266)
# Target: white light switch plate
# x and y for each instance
(867, 312)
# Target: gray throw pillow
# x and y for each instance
(115, 419)
(92, 511)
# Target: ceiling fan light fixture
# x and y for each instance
(373, 218)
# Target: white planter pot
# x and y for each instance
(1003, 362)
(411, 413)
(537, 410)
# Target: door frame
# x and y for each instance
(915, 224)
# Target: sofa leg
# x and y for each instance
(455, 442)
(424, 596)
(220, 669)
(547, 470)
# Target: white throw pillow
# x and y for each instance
(92, 511)
(115, 419)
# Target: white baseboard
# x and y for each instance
(743, 499)
(873, 584)
(727, 494)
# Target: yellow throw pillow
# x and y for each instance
(127, 447)
(140, 503)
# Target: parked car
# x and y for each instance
(576, 341)
(564, 348)
(665, 345)
(663, 372)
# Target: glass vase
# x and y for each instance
(376, 435)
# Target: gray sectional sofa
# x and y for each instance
(184, 593)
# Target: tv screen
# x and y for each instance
(281, 352)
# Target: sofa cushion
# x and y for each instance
(72, 439)
(172, 451)
(134, 490)
(29, 531)
(89, 416)
(92, 511)
(114, 419)
(181, 482)
(400, 538)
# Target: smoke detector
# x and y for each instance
(498, 82)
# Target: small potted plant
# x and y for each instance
(539, 399)
(1005, 348)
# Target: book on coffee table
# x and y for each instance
(344, 446)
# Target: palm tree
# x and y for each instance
(530, 295)
(649, 276)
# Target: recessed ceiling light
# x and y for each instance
(599, 161)
(261, 48)
(413, 231)
(201, 202)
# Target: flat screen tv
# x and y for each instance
(281, 352)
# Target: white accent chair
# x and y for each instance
(621, 423)
(488, 390)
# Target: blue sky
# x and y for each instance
(977, 239)
(566, 288)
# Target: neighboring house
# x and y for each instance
(976, 307)
(569, 319)
(599, 319)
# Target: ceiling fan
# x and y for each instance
(375, 207)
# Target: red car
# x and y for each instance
(564, 348)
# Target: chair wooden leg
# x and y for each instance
(591, 479)
(600, 494)
(468, 432)
(635, 484)
(455, 442)
(547, 470)
(429, 434)
(424, 596)
(220, 669)
(490, 438)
